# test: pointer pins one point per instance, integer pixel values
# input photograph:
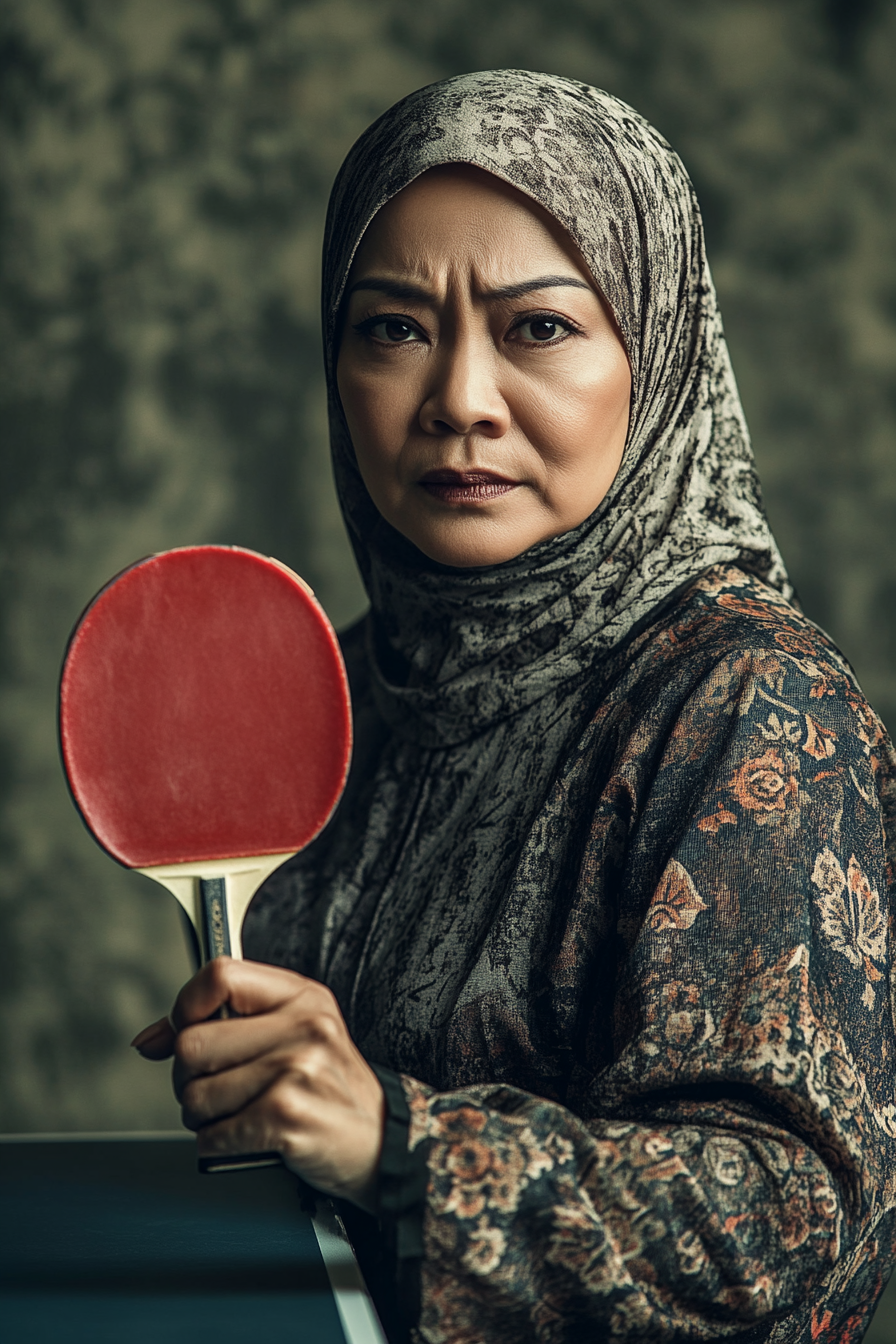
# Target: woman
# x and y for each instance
(605, 903)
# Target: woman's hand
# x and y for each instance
(283, 1076)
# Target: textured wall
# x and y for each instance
(165, 166)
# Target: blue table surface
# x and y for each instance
(114, 1241)
(123, 1242)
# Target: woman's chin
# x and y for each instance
(469, 548)
(476, 537)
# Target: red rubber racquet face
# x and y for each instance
(204, 710)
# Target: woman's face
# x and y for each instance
(484, 383)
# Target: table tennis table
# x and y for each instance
(117, 1239)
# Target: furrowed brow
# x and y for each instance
(528, 286)
(405, 289)
(393, 289)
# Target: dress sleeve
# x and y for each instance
(726, 1171)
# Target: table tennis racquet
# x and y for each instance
(205, 731)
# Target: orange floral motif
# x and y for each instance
(819, 741)
(676, 902)
(606, 1155)
(801, 646)
(764, 783)
(717, 819)
(485, 1249)
(666, 1171)
(468, 1161)
(487, 1178)
(820, 1322)
(851, 916)
(747, 606)
(467, 1201)
(459, 1123)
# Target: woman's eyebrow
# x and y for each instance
(405, 289)
(543, 282)
(396, 289)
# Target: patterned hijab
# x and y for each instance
(477, 646)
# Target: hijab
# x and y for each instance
(480, 645)
(471, 685)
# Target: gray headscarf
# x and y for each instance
(480, 645)
(500, 668)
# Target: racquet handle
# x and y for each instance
(216, 932)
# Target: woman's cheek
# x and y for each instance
(379, 412)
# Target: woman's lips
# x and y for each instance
(466, 487)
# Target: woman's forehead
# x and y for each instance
(457, 213)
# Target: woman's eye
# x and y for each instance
(392, 330)
(542, 330)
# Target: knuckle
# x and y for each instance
(313, 997)
(191, 1108)
(192, 1095)
(283, 1103)
(310, 1066)
(189, 1046)
(306, 1071)
(324, 1028)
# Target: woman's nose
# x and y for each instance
(464, 395)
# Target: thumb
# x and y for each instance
(155, 1041)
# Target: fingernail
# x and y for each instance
(149, 1033)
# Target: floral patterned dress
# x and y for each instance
(691, 1132)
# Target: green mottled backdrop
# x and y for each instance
(165, 168)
